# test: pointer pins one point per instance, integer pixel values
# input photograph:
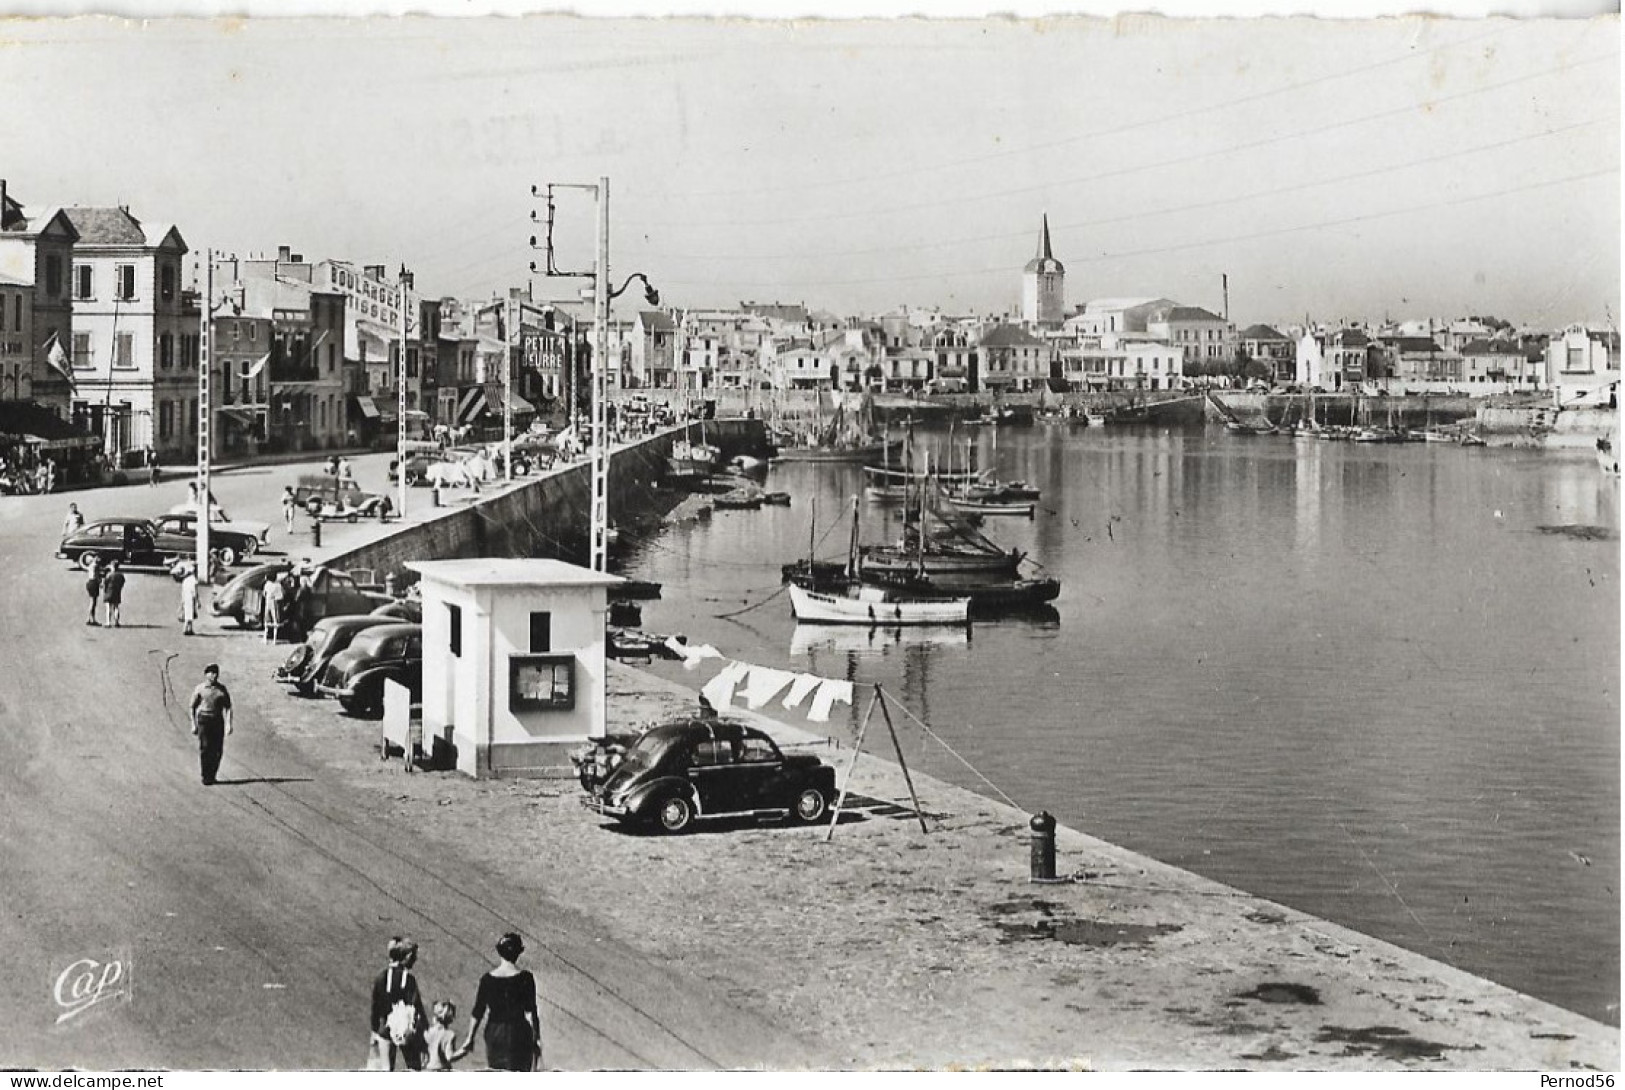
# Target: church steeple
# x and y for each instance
(1044, 284)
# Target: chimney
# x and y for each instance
(2, 204)
(284, 254)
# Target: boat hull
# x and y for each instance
(878, 608)
(866, 453)
(888, 561)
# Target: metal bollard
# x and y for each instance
(316, 532)
(436, 493)
(1043, 844)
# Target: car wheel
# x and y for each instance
(250, 547)
(811, 805)
(411, 478)
(228, 555)
(676, 814)
(352, 517)
(313, 507)
(88, 560)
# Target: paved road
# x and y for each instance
(250, 917)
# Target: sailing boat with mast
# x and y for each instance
(857, 602)
(845, 437)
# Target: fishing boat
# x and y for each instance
(844, 437)
(850, 600)
(875, 605)
(989, 505)
(938, 544)
(690, 460)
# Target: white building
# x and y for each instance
(1582, 366)
(135, 378)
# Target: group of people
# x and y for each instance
(504, 1003)
(20, 477)
(281, 598)
(105, 586)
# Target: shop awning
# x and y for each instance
(516, 404)
(368, 408)
(72, 442)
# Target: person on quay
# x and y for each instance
(506, 1003)
(211, 722)
(155, 472)
(396, 986)
(274, 598)
(290, 506)
(93, 587)
(74, 520)
(189, 599)
(113, 593)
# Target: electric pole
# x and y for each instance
(400, 404)
(204, 431)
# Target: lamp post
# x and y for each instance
(400, 404)
(602, 296)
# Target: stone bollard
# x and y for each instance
(435, 492)
(316, 532)
(1043, 845)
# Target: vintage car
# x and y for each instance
(707, 767)
(316, 491)
(326, 638)
(220, 521)
(132, 542)
(177, 535)
(356, 675)
(330, 594)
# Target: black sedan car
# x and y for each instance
(356, 675)
(177, 535)
(132, 542)
(680, 772)
(326, 638)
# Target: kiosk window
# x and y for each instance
(542, 682)
(541, 632)
(455, 615)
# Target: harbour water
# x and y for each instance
(1378, 683)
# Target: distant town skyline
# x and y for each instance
(1406, 167)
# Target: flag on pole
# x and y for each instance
(259, 365)
(58, 359)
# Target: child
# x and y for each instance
(441, 1039)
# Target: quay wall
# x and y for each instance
(548, 516)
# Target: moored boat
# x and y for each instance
(874, 605)
(690, 460)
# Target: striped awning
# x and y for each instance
(470, 404)
(367, 407)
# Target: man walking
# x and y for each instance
(273, 602)
(290, 505)
(113, 592)
(211, 722)
(154, 471)
(74, 521)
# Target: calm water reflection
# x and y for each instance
(1377, 683)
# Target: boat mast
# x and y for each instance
(852, 545)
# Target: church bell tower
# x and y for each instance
(1043, 286)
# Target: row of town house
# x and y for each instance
(99, 326)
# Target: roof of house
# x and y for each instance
(1262, 333)
(1009, 336)
(1097, 306)
(1413, 344)
(1349, 338)
(1487, 347)
(656, 319)
(784, 312)
(1184, 314)
(107, 226)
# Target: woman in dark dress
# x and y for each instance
(506, 1003)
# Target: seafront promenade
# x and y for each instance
(254, 914)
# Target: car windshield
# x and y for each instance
(647, 752)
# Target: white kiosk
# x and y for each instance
(513, 661)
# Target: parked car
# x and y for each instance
(373, 506)
(177, 535)
(356, 675)
(326, 638)
(313, 490)
(132, 542)
(402, 609)
(706, 767)
(331, 594)
(219, 522)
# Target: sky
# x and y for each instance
(1404, 167)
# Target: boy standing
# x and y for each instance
(113, 592)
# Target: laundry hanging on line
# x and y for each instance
(759, 685)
